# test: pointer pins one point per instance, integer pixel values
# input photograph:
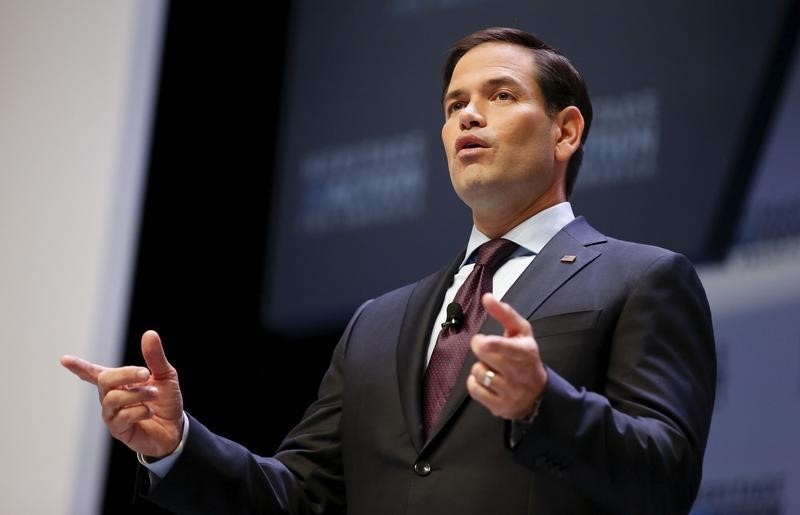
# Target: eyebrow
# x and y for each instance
(491, 83)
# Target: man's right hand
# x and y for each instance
(142, 408)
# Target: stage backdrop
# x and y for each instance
(682, 95)
(363, 202)
(752, 464)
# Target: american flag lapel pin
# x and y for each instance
(568, 258)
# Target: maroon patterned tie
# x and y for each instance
(453, 344)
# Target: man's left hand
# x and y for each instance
(517, 377)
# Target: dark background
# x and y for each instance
(198, 277)
(681, 95)
(210, 240)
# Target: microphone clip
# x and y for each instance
(455, 316)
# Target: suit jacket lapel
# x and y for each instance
(538, 281)
(415, 331)
(547, 272)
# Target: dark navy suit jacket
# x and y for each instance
(625, 332)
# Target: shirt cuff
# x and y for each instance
(520, 427)
(161, 468)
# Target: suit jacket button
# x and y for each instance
(422, 468)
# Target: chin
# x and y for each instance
(477, 192)
(476, 173)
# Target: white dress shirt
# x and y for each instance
(531, 236)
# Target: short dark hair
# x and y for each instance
(560, 82)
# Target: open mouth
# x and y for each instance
(469, 142)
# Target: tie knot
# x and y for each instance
(492, 253)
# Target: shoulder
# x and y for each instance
(628, 253)
(657, 273)
(397, 297)
(628, 262)
(640, 254)
(390, 305)
(647, 258)
(427, 286)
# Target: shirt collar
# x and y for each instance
(531, 235)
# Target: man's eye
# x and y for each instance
(503, 95)
(456, 106)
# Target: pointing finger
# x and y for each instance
(514, 323)
(84, 369)
(154, 356)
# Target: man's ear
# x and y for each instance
(570, 123)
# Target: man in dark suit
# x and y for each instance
(588, 389)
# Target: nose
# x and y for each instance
(470, 116)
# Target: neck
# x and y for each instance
(496, 224)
